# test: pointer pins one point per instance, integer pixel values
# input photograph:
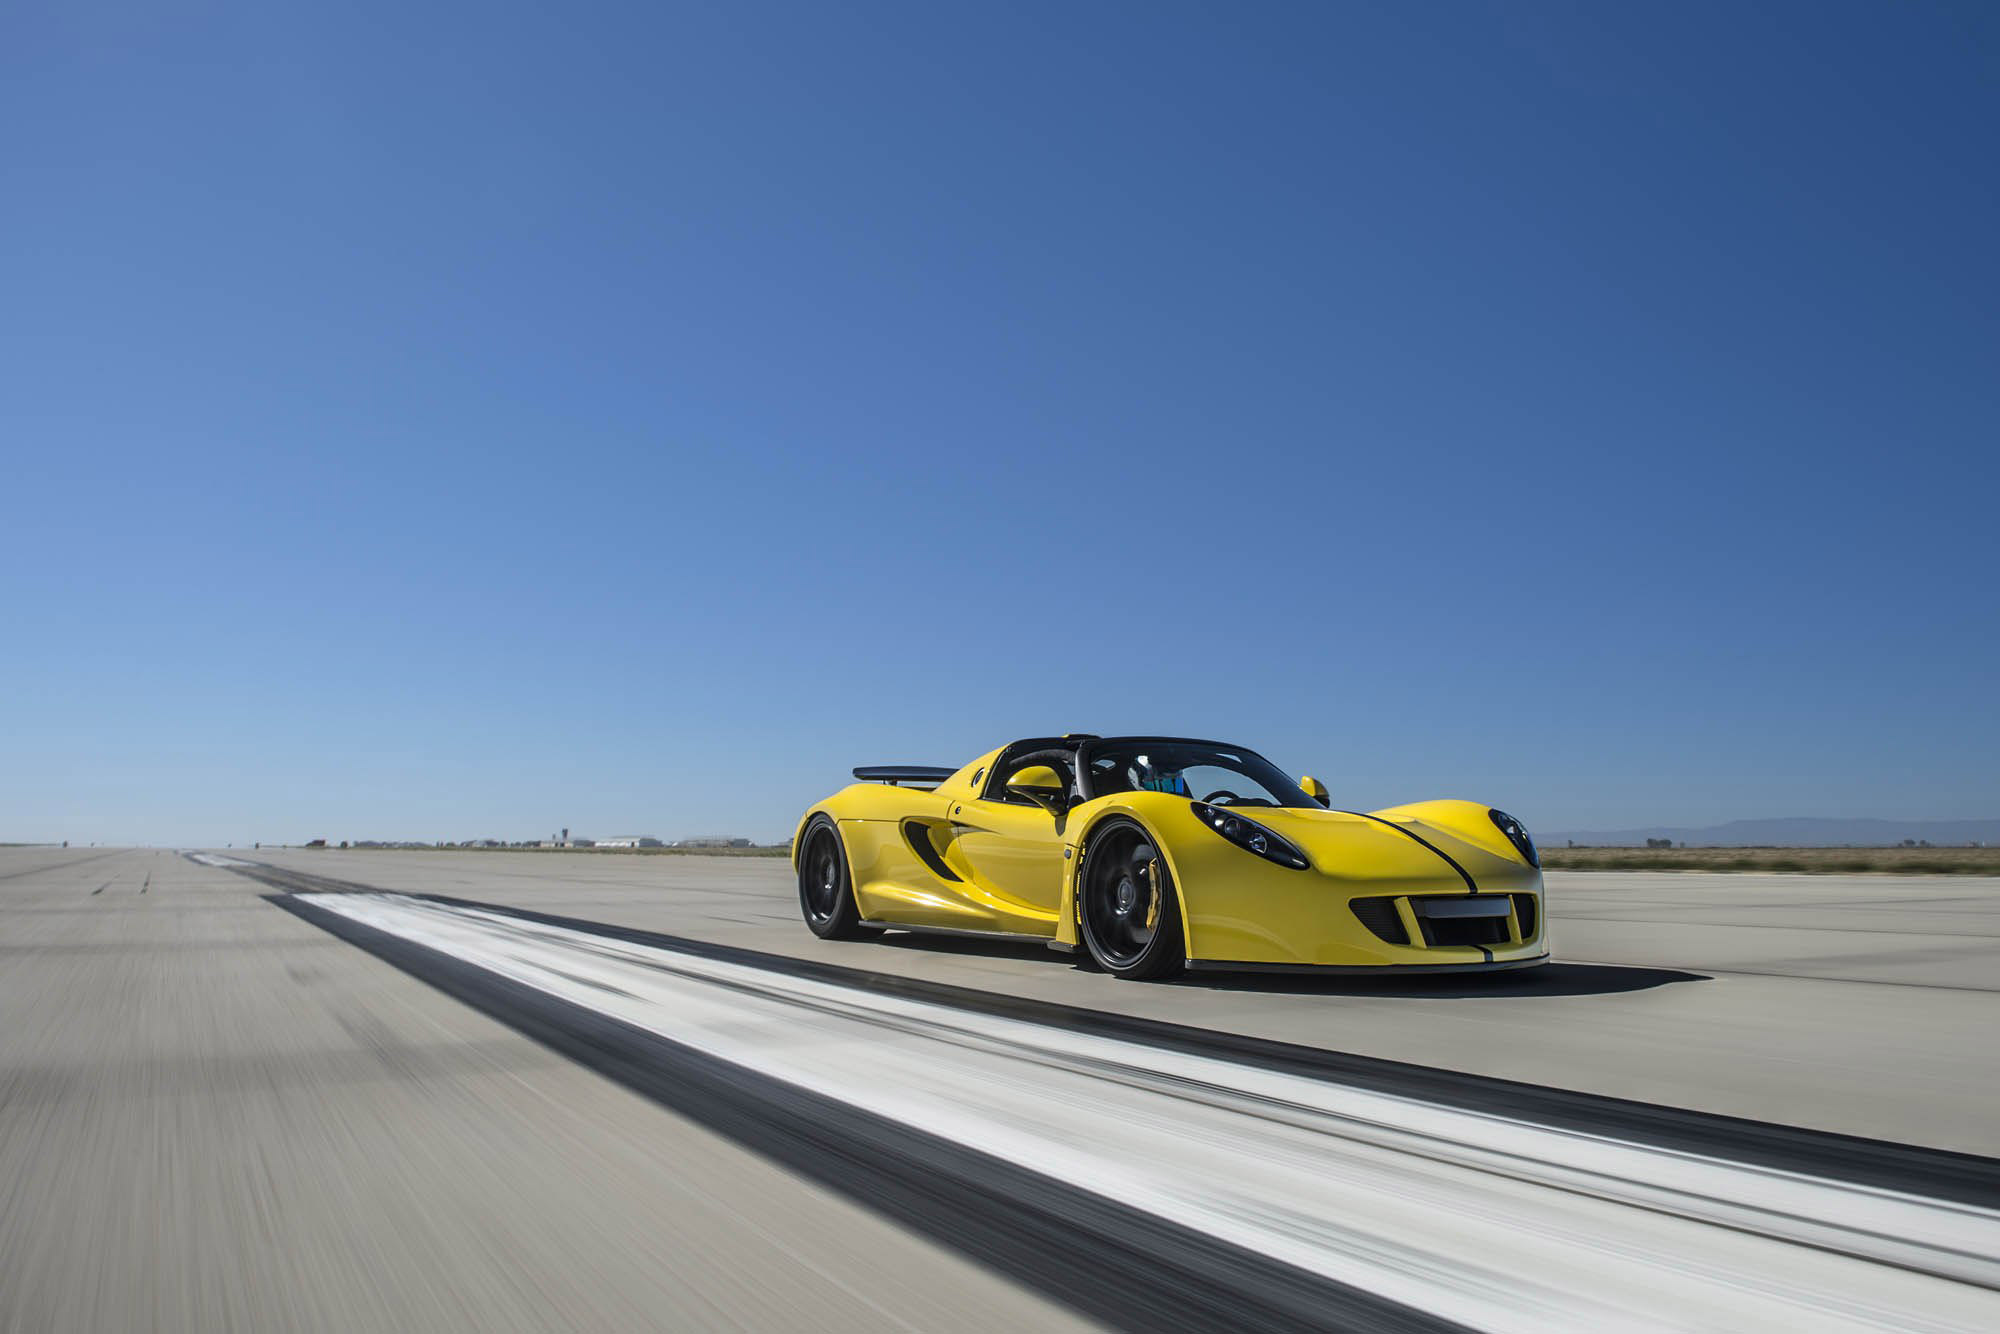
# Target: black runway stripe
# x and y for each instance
(1939, 1174)
(1121, 1266)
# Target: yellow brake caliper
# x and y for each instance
(1153, 901)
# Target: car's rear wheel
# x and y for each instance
(1129, 912)
(826, 889)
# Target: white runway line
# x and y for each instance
(1491, 1222)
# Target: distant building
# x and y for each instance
(717, 842)
(630, 841)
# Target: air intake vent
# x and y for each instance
(919, 836)
(1524, 910)
(1479, 919)
(1381, 917)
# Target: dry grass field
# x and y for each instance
(1821, 861)
(1811, 861)
(761, 850)
(1824, 861)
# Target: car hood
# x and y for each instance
(1392, 854)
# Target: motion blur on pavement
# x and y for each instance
(222, 1113)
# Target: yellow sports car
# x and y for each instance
(1159, 853)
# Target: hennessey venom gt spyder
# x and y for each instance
(1158, 853)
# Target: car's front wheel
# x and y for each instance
(1127, 908)
(826, 890)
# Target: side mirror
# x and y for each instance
(1042, 785)
(1316, 790)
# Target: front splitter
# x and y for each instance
(1378, 969)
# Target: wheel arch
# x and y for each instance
(806, 823)
(1068, 929)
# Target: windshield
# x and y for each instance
(1200, 770)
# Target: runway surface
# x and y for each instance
(534, 1091)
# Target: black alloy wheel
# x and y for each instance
(1131, 916)
(826, 892)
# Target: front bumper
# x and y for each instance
(1291, 920)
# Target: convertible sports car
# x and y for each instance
(1158, 853)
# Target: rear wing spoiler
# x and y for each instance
(916, 775)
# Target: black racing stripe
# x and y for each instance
(1463, 874)
(1914, 1169)
(1119, 1265)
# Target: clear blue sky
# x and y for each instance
(447, 421)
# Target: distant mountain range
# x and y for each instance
(1799, 832)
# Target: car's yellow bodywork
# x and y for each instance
(953, 859)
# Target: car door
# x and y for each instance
(1010, 850)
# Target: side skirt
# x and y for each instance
(966, 932)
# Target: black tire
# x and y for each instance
(826, 889)
(1127, 909)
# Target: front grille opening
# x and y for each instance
(1480, 920)
(1381, 917)
(1465, 931)
(1524, 912)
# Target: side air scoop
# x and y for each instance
(916, 775)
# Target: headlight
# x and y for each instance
(1517, 834)
(1250, 836)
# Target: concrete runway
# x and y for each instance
(214, 1114)
(1843, 1003)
